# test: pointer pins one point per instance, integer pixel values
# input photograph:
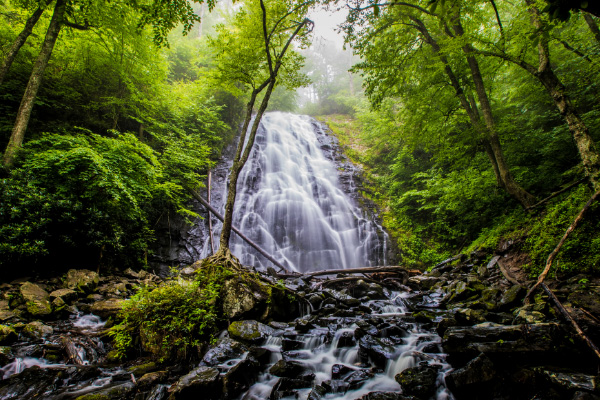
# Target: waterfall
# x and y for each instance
(290, 201)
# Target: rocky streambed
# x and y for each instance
(459, 331)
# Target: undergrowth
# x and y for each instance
(173, 319)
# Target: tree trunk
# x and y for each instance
(511, 186)
(35, 81)
(19, 42)
(592, 25)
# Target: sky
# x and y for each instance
(326, 23)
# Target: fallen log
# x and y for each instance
(71, 350)
(553, 195)
(237, 231)
(345, 271)
(554, 253)
(563, 311)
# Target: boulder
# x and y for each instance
(151, 379)
(249, 331)
(81, 280)
(342, 297)
(37, 330)
(67, 295)
(118, 392)
(203, 380)
(375, 349)
(30, 384)
(473, 377)
(107, 308)
(570, 382)
(244, 298)
(469, 316)
(36, 299)
(512, 297)
(357, 378)
(6, 355)
(287, 369)
(385, 396)
(419, 381)
(516, 340)
(7, 335)
(240, 377)
(225, 349)
(142, 369)
(524, 316)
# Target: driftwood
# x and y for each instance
(345, 271)
(563, 311)
(210, 230)
(554, 253)
(553, 195)
(507, 274)
(71, 351)
(233, 228)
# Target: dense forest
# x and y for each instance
(468, 128)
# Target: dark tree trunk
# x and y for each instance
(35, 81)
(19, 42)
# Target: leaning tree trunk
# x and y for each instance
(589, 20)
(19, 42)
(35, 81)
(511, 186)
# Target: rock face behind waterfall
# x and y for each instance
(298, 198)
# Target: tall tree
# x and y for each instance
(256, 51)
(80, 14)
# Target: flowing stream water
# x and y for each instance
(290, 201)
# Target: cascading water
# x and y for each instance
(290, 202)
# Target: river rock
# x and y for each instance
(7, 335)
(469, 316)
(512, 297)
(37, 330)
(525, 316)
(243, 298)
(118, 392)
(82, 280)
(240, 377)
(515, 340)
(203, 380)
(385, 396)
(29, 384)
(151, 379)
(36, 300)
(107, 308)
(6, 355)
(357, 378)
(375, 349)
(67, 295)
(473, 377)
(571, 382)
(288, 369)
(342, 297)
(225, 349)
(249, 331)
(418, 381)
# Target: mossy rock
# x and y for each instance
(7, 335)
(37, 330)
(37, 300)
(82, 280)
(142, 369)
(249, 331)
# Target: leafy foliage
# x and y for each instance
(172, 320)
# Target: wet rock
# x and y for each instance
(261, 354)
(239, 378)
(6, 355)
(588, 299)
(285, 387)
(29, 384)
(82, 280)
(224, 350)
(67, 295)
(151, 379)
(426, 282)
(512, 297)
(243, 298)
(37, 330)
(570, 382)
(117, 392)
(342, 297)
(291, 344)
(473, 377)
(204, 380)
(385, 396)
(357, 378)
(249, 331)
(444, 324)
(346, 339)
(142, 369)
(7, 315)
(468, 316)
(317, 393)
(7, 335)
(303, 325)
(524, 316)
(288, 369)
(373, 348)
(418, 381)
(107, 308)
(36, 299)
(516, 340)
(338, 371)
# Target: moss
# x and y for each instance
(139, 370)
(93, 396)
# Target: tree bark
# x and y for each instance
(591, 23)
(19, 42)
(35, 81)
(511, 186)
